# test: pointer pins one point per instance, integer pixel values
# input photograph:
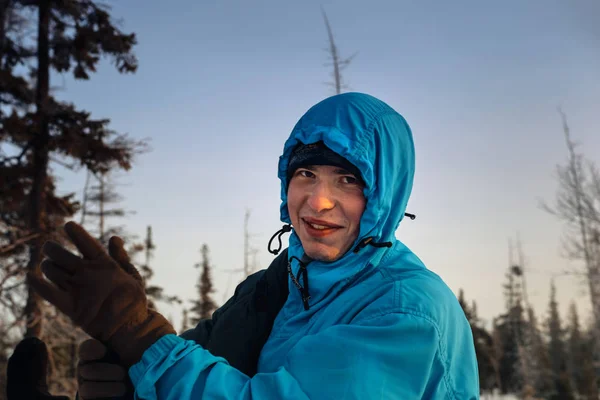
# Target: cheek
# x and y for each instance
(357, 210)
(292, 206)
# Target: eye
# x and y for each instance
(351, 180)
(304, 173)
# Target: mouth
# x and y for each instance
(319, 228)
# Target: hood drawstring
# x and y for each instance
(369, 241)
(296, 280)
(279, 234)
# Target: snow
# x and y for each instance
(488, 396)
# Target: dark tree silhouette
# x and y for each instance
(557, 352)
(204, 306)
(336, 61)
(38, 133)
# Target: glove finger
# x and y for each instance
(61, 256)
(117, 251)
(61, 299)
(92, 350)
(101, 372)
(93, 390)
(89, 247)
(56, 274)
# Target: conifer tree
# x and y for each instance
(580, 358)
(154, 292)
(556, 351)
(484, 347)
(37, 131)
(542, 378)
(510, 328)
(101, 206)
(185, 322)
(204, 306)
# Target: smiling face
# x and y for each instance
(325, 204)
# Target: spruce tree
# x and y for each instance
(557, 353)
(484, 347)
(509, 328)
(580, 358)
(204, 305)
(185, 322)
(543, 380)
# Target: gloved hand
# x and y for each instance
(27, 370)
(105, 300)
(99, 374)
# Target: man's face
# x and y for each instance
(325, 204)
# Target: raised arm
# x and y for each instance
(396, 356)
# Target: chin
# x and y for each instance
(322, 257)
(323, 253)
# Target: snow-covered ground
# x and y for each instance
(498, 397)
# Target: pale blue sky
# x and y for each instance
(221, 84)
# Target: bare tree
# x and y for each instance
(249, 250)
(337, 62)
(577, 205)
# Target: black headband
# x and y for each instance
(318, 154)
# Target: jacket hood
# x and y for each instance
(378, 141)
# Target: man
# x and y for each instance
(364, 318)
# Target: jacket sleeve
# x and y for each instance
(392, 356)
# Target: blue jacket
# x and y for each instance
(379, 324)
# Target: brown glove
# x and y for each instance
(105, 300)
(99, 375)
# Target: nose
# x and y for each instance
(321, 198)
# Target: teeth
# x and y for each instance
(318, 226)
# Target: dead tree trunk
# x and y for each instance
(33, 307)
(337, 63)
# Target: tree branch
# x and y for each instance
(19, 242)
